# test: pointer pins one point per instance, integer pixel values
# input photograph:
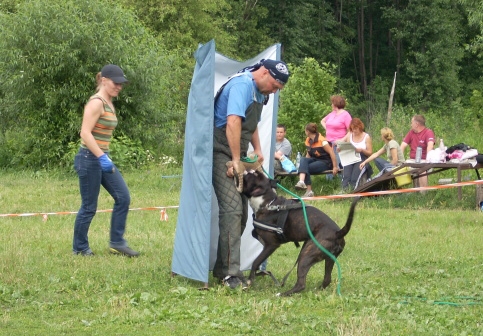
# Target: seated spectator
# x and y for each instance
(363, 144)
(320, 157)
(419, 136)
(283, 151)
(392, 149)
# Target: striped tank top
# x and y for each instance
(104, 127)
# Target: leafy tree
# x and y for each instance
(250, 36)
(430, 32)
(306, 29)
(305, 98)
(472, 63)
(182, 25)
(51, 51)
(474, 9)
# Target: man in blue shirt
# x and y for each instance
(238, 108)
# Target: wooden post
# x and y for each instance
(391, 97)
(479, 195)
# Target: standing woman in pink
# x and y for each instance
(336, 123)
(95, 168)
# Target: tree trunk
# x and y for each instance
(361, 44)
(371, 60)
(391, 97)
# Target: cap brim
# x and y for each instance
(119, 80)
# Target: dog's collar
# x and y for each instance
(282, 207)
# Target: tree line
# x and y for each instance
(50, 51)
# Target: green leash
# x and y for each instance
(469, 301)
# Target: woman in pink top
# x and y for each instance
(336, 123)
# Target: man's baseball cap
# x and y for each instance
(114, 73)
(278, 70)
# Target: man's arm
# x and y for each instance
(286, 148)
(233, 135)
(430, 140)
(403, 146)
(257, 148)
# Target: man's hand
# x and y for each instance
(236, 169)
(260, 156)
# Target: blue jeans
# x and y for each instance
(313, 166)
(91, 178)
(381, 164)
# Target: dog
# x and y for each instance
(262, 199)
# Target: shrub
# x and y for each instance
(305, 98)
(51, 51)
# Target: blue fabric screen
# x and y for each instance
(196, 236)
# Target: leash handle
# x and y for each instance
(249, 160)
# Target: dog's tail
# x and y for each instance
(345, 230)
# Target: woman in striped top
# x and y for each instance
(95, 168)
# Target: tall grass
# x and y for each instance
(412, 266)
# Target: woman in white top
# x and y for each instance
(395, 155)
(363, 144)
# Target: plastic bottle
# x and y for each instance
(297, 160)
(419, 153)
(442, 150)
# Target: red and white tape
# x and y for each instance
(398, 191)
(45, 215)
(164, 213)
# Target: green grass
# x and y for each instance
(412, 266)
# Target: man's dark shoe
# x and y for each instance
(86, 253)
(124, 250)
(233, 282)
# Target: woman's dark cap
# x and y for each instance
(114, 73)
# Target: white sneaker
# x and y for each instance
(309, 194)
(300, 185)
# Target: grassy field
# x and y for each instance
(412, 266)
